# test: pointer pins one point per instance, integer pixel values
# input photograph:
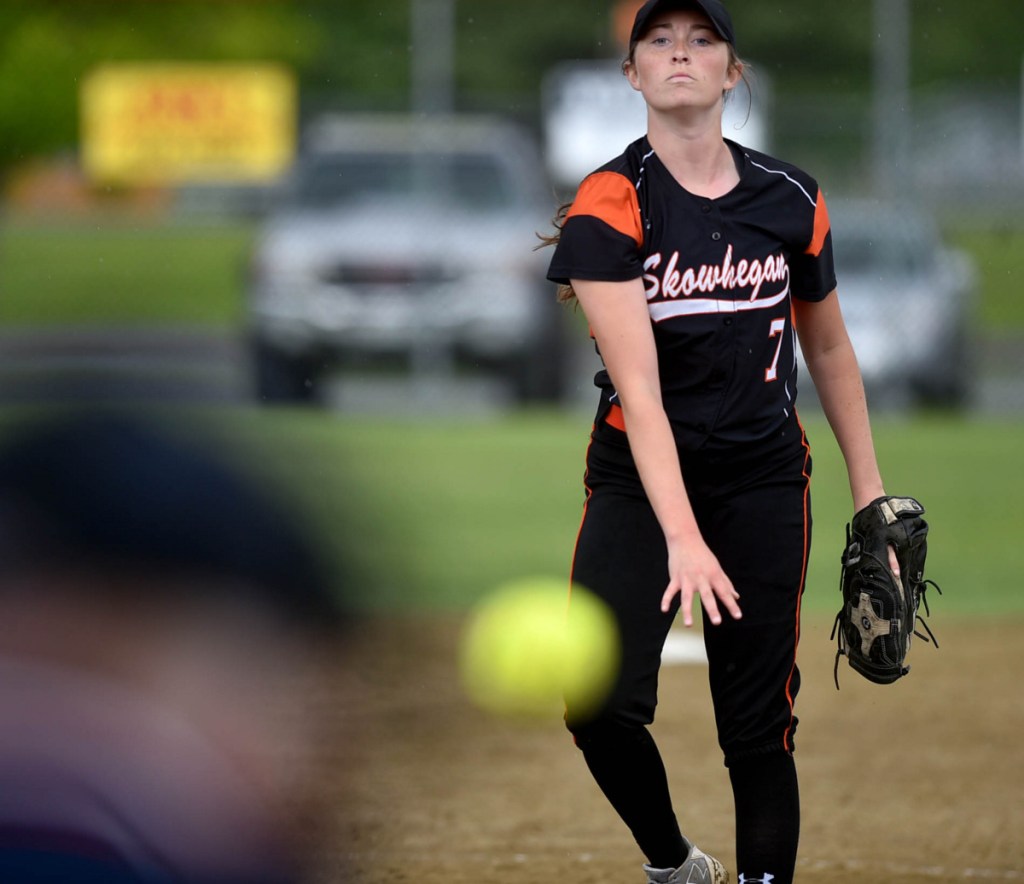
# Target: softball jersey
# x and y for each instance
(719, 275)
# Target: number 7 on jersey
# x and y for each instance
(776, 329)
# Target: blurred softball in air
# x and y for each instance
(534, 644)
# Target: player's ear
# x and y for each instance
(629, 69)
(733, 75)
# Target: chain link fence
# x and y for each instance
(962, 171)
(964, 168)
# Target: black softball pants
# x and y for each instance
(752, 504)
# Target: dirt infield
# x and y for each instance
(919, 781)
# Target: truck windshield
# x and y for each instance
(466, 180)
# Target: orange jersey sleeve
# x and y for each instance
(611, 198)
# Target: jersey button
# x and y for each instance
(702, 428)
(705, 208)
(716, 236)
(727, 320)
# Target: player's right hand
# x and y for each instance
(694, 571)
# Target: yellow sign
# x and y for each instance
(177, 123)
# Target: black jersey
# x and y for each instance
(719, 275)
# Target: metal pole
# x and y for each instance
(432, 93)
(433, 56)
(891, 111)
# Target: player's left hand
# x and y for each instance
(894, 563)
(883, 586)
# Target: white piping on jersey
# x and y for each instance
(793, 339)
(790, 179)
(643, 167)
(663, 310)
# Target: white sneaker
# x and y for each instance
(699, 868)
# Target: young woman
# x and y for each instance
(696, 262)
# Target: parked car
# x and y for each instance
(909, 301)
(408, 241)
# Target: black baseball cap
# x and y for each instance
(107, 492)
(713, 9)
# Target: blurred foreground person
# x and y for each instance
(160, 619)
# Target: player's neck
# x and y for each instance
(695, 155)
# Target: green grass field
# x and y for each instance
(999, 260)
(122, 273)
(434, 514)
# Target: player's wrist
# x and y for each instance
(864, 497)
(866, 488)
(683, 536)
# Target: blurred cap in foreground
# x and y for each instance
(106, 492)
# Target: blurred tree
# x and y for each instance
(965, 44)
(809, 45)
(47, 45)
(355, 54)
(363, 60)
(504, 48)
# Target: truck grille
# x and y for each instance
(385, 274)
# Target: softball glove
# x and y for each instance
(880, 610)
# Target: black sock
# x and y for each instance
(767, 817)
(627, 766)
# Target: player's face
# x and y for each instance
(682, 62)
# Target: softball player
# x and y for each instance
(696, 262)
